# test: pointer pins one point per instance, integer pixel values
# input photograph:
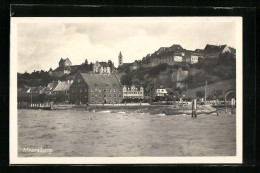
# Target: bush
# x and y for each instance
(200, 93)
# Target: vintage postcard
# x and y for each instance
(123, 90)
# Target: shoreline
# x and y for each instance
(142, 109)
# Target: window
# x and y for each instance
(109, 90)
(92, 89)
(99, 95)
(110, 95)
(119, 95)
(96, 89)
(114, 90)
(99, 90)
(114, 95)
(105, 90)
(92, 95)
(104, 95)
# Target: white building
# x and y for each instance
(133, 91)
(160, 91)
(101, 68)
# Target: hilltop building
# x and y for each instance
(133, 91)
(101, 68)
(213, 51)
(64, 68)
(172, 55)
(95, 89)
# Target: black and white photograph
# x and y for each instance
(117, 90)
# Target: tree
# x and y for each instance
(111, 64)
(126, 79)
(91, 66)
(86, 61)
(85, 65)
(218, 93)
(200, 93)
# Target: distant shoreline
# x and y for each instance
(151, 109)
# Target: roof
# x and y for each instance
(130, 86)
(199, 50)
(233, 50)
(214, 48)
(61, 68)
(120, 54)
(104, 64)
(75, 67)
(160, 86)
(63, 86)
(52, 85)
(100, 80)
(176, 47)
(23, 90)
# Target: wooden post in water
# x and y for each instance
(217, 106)
(226, 104)
(206, 85)
(194, 108)
(233, 106)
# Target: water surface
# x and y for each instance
(104, 134)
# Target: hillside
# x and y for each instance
(212, 70)
(219, 89)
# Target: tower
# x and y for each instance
(120, 59)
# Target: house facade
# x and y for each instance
(95, 89)
(101, 68)
(160, 91)
(133, 91)
(50, 87)
(64, 68)
(213, 51)
(63, 88)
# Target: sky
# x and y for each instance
(41, 43)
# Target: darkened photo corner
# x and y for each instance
(133, 87)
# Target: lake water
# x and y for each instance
(104, 134)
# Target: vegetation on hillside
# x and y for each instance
(213, 70)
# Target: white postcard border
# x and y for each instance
(13, 130)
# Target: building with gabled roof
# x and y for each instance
(63, 88)
(95, 89)
(213, 51)
(101, 68)
(133, 91)
(50, 87)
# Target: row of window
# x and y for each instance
(133, 92)
(79, 90)
(160, 90)
(78, 85)
(105, 90)
(108, 101)
(105, 95)
(131, 89)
